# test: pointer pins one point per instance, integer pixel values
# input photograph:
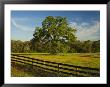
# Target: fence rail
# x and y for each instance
(56, 67)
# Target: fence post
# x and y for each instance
(44, 62)
(76, 71)
(24, 62)
(44, 65)
(58, 69)
(32, 63)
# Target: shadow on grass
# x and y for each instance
(18, 70)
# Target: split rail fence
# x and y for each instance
(59, 68)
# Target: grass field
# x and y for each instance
(79, 59)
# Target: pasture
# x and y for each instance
(91, 60)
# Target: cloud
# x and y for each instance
(20, 30)
(84, 24)
(21, 18)
(87, 31)
(20, 26)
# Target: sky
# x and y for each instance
(87, 23)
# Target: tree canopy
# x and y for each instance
(55, 34)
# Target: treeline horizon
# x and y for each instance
(18, 46)
(55, 36)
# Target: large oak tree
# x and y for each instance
(55, 34)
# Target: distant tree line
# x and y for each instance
(55, 36)
(75, 47)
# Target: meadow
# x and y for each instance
(79, 59)
(91, 60)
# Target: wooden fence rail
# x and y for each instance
(56, 67)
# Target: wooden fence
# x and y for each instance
(59, 68)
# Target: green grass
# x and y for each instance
(79, 59)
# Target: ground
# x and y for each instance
(78, 59)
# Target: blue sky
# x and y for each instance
(87, 23)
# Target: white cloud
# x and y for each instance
(21, 18)
(20, 30)
(84, 24)
(21, 27)
(87, 31)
